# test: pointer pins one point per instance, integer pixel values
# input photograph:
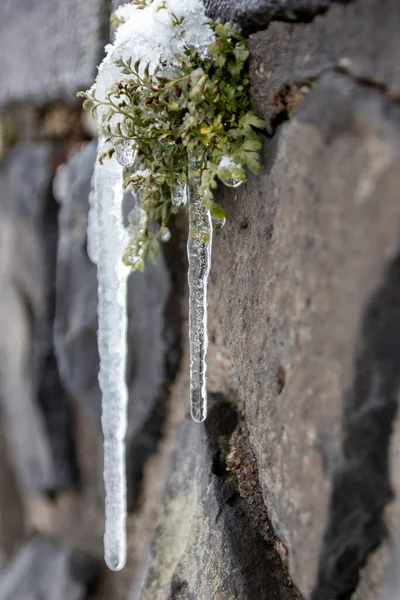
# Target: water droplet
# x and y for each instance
(226, 163)
(218, 223)
(166, 236)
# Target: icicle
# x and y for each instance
(199, 257)
(112, 275)
(166, 236)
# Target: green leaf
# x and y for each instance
(251, 119)
(217, 212)
(252, 145)
(253, 162)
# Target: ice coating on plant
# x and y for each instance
(126, 153)
(199, 259)
(230, 173)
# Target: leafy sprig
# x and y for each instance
(197, 107)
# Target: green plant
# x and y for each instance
(191, 119)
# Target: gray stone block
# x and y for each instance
(254, 15)
(210, 542)
(361, 39)
(50, 49)
(306, 278)
(43, 569)
(75, 325)
(27, 385)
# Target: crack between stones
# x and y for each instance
(344, 67)
(361, 485)
(286, 95)
(235, 472)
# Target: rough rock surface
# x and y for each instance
(360, 38)
(28, 232)
(295, 474)
(50, 50)
(210, 541)
(316, 262)
(47, 571)
(254, 15)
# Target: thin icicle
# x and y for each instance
(199, 257)
(112, 275)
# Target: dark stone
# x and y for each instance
(11, 509)
(208, 543)
(50, 50)
(42, 569)
(361, 485)
(36, 410)
(324, 223)
(85, 569)
(75, 325)
(361, 38)
(254, 15)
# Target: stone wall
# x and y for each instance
(290, 489)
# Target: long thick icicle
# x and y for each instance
(109, 238)
(199, 258)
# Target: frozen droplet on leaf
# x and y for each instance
(218, 222)
(126, 153)
(166, 236)
(230, 173)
